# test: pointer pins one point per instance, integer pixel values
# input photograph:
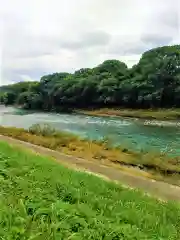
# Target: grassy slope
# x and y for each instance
(40, 199)
(160, 114)
(100, 151)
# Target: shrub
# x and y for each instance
(42, 130)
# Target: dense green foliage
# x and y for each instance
(153, 82)
(41, 199)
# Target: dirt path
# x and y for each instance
(158, 189)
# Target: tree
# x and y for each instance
(153, 82)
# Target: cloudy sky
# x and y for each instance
(44, 36)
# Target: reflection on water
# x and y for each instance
(130, 133)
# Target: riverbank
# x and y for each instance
(153, 165)
(148, 114)
(41, 199)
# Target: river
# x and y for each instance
(130, 133)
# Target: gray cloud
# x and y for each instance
(16, 75)
(172, 19)
(127, 45)
(153, 40)
(96, 38)
(87, 40)
(165, 19)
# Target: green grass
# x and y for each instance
(40, 199)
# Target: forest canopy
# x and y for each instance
(152, 83)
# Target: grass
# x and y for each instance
(159, 114)
(40, 199)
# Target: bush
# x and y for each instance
(42, 130)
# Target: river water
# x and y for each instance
(134, 134)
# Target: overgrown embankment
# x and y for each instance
(92, 150)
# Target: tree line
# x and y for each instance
(154, 82)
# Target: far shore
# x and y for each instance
(146, 114)
(161, 114)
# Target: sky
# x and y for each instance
(39, 37)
